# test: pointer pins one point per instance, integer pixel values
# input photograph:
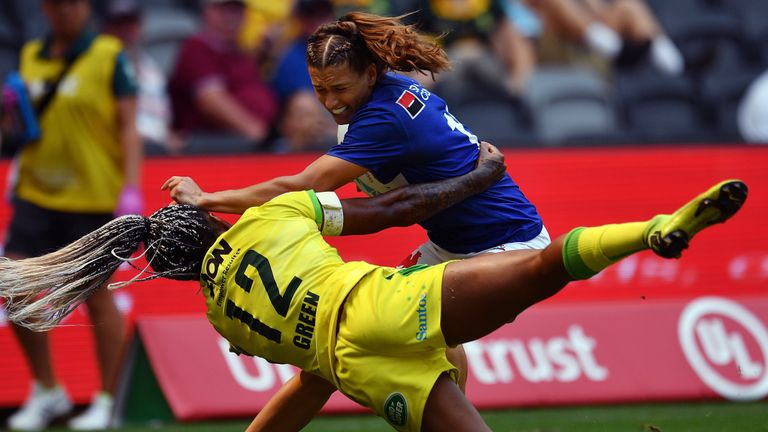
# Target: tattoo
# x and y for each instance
(425, 200)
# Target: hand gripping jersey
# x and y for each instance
(404, 135)
(273, 286)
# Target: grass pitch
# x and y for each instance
(673, 417)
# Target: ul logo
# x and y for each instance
(727, 346)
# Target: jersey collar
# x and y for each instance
(81, 44)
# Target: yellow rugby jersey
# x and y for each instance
(273, 286)
(77, 165)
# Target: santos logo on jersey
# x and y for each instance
(410, 103)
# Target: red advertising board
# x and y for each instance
(234, 385)
(570, 187)
(703, 348)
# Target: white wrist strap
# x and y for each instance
(333, 215)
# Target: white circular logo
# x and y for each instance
(725, 359)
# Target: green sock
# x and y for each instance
(587, 251)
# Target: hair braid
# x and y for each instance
(180, 235)
(41, 291)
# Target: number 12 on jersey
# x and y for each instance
(280, 302)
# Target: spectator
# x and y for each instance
(216, 87)
(263, 27)
(83, 170)
(153, 111)
(483, 45)
(622, 31)
(305, 124)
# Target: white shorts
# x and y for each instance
(430, 253)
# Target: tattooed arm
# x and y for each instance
(414, 203)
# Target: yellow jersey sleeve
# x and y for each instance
(290, 205)
(324, 208)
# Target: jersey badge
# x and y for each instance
(410, 103)
(396, 409)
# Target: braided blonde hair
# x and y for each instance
(42, 291)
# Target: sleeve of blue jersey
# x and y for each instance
(375, 138)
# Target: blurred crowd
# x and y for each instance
(229, 76)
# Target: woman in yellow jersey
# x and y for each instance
(275, 289)
(82, 171)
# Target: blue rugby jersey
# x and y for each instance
(406, 135)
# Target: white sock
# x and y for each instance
(603, 40)
(665, 56)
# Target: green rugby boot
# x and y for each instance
(668, 235)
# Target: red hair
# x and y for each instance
(360, 39)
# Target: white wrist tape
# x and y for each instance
(333, 215)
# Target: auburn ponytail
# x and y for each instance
(360, 39)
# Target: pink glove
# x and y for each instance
(129, 202)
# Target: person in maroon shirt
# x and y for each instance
(215, 87)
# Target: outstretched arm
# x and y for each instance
(294, 405)
(327, 173)
(414, 203)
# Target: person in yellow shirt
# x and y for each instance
(82, 171)
(275, 289)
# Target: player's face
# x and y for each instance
(341, 90)
(67, 17)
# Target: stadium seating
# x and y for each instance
(9, 49)
(671, 12)
(721, 94)
(190, 6)
(503, 121)
(28, 18)
(722, 41)
(8, 58)
(163, 30)
(754, 15)
(660, 108)
(568, 104)
(711, 42)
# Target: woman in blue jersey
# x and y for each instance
(399, 133)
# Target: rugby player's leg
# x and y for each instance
(458, 358)
(448, 409)
(35, 347)
(483, 293)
